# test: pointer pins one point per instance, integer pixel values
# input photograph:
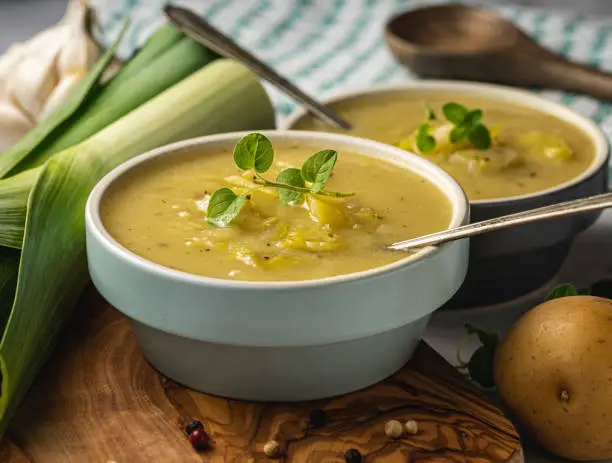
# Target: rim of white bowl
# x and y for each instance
(449, 187)
(516, 96)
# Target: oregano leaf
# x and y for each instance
(487, 338)
(473, 118)
(459, 133)
(430, 115)
(454, 112)
(480, 137)
(563, 290)
(318, 168)
(293, 177)
(224, 206)
(254, 151)
(480, 366)
(425, 142)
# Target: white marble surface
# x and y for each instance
(591, 258)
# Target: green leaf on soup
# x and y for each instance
(430, 115)
(293, 177)
(480, 137)
(563, 290)
(459, 133)
(223, 207)
(454, 112)
(425, 142)
(318, 168)
(473, 118)
(254, 151)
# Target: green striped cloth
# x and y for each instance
(330, 45)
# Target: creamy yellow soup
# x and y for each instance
(158, 211)
(531, 151)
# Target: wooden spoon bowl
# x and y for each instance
(472, 43)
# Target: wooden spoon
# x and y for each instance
(468, 42)
(576, 206)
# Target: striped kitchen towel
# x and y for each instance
(329, 45)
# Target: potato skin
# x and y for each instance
(554, 372)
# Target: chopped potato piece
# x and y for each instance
(366, 218)
(327, 211)
(323, 246)
(241, 181)
(245, 255)
(441, 133)
(280, 230)
(282, 260)
(265, 202)
(312, 240)
(486, 161)
(546, 145)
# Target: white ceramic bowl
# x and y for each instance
(508, 264)
(279, 341)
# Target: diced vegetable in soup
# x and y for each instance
(164, 212)
(527, 151)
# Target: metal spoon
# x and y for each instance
(591, 203)
(201, 31)
(468, 42)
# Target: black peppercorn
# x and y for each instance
(192, 426)
(352, 456)
(317, 418)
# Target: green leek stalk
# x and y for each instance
(224, 96)
(126, 91)
(142, 80)
(157, 44)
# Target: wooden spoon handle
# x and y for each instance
(565, 75)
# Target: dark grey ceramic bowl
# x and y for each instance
(507, 264)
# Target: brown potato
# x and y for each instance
(554, 372)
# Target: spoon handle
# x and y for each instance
(591, 203)
(575, 77)
(203, 32)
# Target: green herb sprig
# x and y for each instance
(480, 366)
(254, 152)
(467, 125)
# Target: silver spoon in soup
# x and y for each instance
(576, 206)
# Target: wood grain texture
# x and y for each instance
(97, 400)
(452, 41)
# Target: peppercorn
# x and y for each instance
(272, 449)
(317, 418)
(192, 426)
(394, 429)
(199, 439)
(352, 456)
(412, 427)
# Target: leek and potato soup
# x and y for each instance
(492, 148)
(261, 215)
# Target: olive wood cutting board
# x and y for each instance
(97, 400)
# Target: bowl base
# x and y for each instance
(508, 277)
(279, 374)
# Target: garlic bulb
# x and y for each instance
(37, 75)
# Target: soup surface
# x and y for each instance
(158, 211)
(530, 151)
